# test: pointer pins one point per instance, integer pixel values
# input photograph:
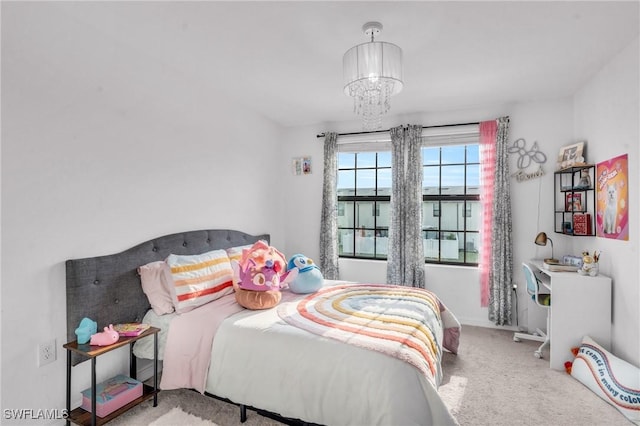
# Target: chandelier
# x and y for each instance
(372, 74)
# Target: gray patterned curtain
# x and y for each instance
(329, 220)
(501, 270)
(395, 250)
(405, 258)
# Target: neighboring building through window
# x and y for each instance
(451, 203)
(364, 192)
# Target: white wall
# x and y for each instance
(96, 160)
(607, 117)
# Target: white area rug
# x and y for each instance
(178, 417)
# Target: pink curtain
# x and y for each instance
(488, 132)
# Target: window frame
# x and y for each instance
(466, 198)
(355, 199)
(440, 139)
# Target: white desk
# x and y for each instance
(580, 305)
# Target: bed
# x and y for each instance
(277, 360)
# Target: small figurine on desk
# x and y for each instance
(105, 338)
(590, 264)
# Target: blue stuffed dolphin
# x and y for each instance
(308, 279)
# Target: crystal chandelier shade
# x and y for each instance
(372, 74)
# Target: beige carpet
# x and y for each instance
(492, 381)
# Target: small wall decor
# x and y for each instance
(571, 155)
(612, 206)
(301, 165)
(525, 159)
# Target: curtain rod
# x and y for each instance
(322, 135)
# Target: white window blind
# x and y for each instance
(431, 136)
(451, 135)
(365, 142)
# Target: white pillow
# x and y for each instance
(611, 378)
(199, 279)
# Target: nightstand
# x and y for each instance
(83, 417)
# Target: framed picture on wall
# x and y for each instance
(301, 166)
(296, 166)
(306, 165)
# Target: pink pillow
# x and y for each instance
(156, 280)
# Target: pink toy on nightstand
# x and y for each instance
(108, 337)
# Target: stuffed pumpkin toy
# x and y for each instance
(258, 276)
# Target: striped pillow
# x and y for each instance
(235, 253)
(199, 279)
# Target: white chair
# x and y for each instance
(543, 300)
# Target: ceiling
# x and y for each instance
(284, 59)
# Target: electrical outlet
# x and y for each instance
(46, 352)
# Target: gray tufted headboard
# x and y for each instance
(107, 288)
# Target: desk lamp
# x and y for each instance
(541, 240)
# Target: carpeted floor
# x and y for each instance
(496, 381)
(492, 381)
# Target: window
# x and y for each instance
(364, 191)
(450, 195)
(451, 203)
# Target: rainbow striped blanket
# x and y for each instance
(403, 322)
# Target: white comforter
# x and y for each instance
(261, 361)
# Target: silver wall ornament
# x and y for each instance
(526, 158)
